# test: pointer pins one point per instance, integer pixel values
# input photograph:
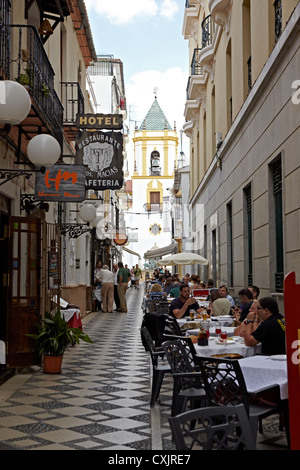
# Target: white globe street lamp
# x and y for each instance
(43, 150)
(15, 102)
(88, 213)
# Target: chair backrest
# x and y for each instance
(149, 344)
(155, 323)
(200, 292)
(156, 295)
(217, 428)
(224, 381)
(173, 327)
(178, 355)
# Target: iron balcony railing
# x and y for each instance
(151, 207)
(5, 6)
(208, 30)
(195, 70)
(73, 101)
(30, 66)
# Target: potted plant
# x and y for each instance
(26, 78)
(53, 336)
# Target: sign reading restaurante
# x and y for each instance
(102, 155)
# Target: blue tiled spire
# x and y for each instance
(155, 119)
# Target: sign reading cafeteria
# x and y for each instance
(63, 183)
(102, 155)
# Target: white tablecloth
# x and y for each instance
(235, 347)
(68, 313)
(263, 371)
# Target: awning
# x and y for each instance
(131, 252)
(166, 250)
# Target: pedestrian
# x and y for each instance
(97, 283)
(137, 275)
(123, 278)
(116, 295)
(107, 289)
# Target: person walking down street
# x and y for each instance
(97, 282)
(137, 275)
(107, 289)
(123, 279)
(116, 295)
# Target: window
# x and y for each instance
(278, 212)
(155, 164)
(229, 244)
(248, 234)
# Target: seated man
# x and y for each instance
(181, 306)
(271, 329)
(246, 298)
(223, 291)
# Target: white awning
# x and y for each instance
(166, 250)
(131, 252)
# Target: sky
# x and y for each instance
(146, 35)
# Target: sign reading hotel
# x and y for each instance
(63, 183)
(102, 155)
(99, 121)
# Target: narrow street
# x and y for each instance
(99, 401)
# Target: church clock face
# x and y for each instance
(155, 229)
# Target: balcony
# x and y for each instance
(197, 80)
(210, 39)
(151, 207)
(191, 19)
(191, 111)
(220, 11)
(27, 63)
(73, 103)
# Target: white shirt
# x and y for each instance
(106, 276)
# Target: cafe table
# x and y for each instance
(233, 345)
(265, 371)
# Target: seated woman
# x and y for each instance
(156, 291)
(219, 306)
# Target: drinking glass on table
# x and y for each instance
(218, 329)
(224, 336)
(192, 314)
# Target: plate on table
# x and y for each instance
(228, 341)
(278, 357)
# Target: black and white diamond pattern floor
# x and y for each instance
(100, 401)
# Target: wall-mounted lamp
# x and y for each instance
(43, 150)
(87, 213)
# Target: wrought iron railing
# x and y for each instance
(30, 66)
(73, 101)
(195, 65)
(278, 19)
(150, 207)
(5, 6)
(208, 30)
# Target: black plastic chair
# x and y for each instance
(216, 428)
(158, 369)
(188, 384)
(225, 385)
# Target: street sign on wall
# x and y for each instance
(63, 183)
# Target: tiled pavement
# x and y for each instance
(100, 401)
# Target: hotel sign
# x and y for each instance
(101, 153)
(99, 121)
(63, 183)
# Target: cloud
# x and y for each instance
(126, 11)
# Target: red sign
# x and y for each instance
(120, 239)
(292, 322)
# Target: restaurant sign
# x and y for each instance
(63, 183)
(99, 121)
(102, 155)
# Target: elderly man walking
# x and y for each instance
(123, 278)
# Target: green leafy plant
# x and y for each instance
(45, 90)
(54, 335)
(26, 78)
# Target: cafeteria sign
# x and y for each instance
(102, 155)
(63, 183)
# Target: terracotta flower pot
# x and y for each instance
(52, 364)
